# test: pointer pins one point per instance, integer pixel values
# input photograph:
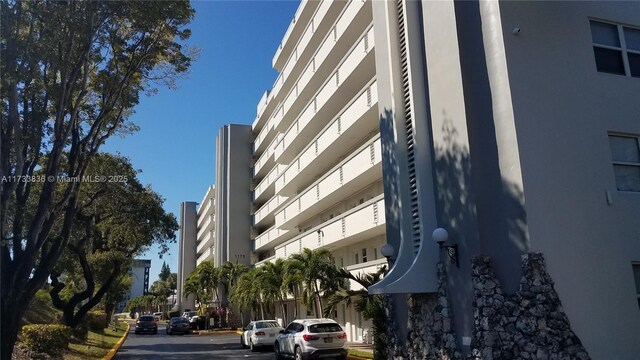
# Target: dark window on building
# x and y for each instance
(616, 48)
(625, 153)
(364, 255)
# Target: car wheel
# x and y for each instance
(276, 351)
(298, 353)
(251, 346)
(242, 342)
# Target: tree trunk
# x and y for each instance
(295, 303)
(284, 313)
(262, 310)
(10, 327)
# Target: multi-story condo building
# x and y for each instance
(186, 252)
(519, 124)
(233, 195)
(139, 273)
(206, 235)
(317, 154)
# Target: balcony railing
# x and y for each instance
(205, 227)
(362, 168)
(368, 217)
(268, 208)
(269, 237)
(204, 256)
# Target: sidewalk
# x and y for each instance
(359, 346)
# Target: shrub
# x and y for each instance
(51, 339)
(97, 320)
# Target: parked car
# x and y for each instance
(260, 333)
(178, 325)
(193, 318)
(146, 323)
(157, 316)
(311, 339)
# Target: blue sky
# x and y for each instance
(175, 147)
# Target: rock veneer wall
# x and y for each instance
(395, 349)
(530, 324)
(431, 331)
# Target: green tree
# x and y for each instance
(319, 276)
(117, 221)
(72, 72)
(246, 294)
(165, 272)
(271, 284)
(369, 305)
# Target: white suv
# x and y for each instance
(311, 339)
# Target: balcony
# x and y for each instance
(205, 255)
(293, 33)
(272, 237)
(262, 262)
(357, 119)
(355, 225)
(361, 169)
(265, 213)
(266, 187)
(207, 208)
(207, 225)
(339, 39)
(357, 69)
(265, 161)
(206, 241)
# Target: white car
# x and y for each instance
(260, 333)
(311, 339)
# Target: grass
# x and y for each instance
(97, 344)
(360, 353)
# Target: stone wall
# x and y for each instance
(395, 348)
(530, 324)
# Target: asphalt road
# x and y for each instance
(163, 346)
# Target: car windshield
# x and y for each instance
(267, 324)
(146, 318)
(323, 328)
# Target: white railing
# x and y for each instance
(345, 69)
(358, 164)
(202, 215)
(264, 158)
(203, 242)
(204, 256)
(269, 236)
(368, 267)
(365, 217)
(269, 207)
(262, 262)
(205, 227)
(268, 180)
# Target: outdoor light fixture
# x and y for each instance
(320, 232)
(387, 250)
(440, 236)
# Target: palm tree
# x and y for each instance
(292, 282)
(229, 273)
(245, 293)
(273, 274)
(370, 306)
(319, 274)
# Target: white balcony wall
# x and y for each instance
(267, 238)
(357, 165)
(268, 208)
(333, 37)
(345, 69)
(352, 115)
(204, 256)
(262, 262)
(207, 225)
(268, 180)
(293, 33)
(330, 41)
(351, 226)
(265, 158)
(207, 240)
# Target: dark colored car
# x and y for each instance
(146, 323)
(178, 325)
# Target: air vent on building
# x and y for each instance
(375, 213)
(338, 77)
(369, 96)
(299, 205)
(343, 226)
(313, 64)
(411, 157)
(341, 176)
(372, 153)
(313, 27)
(315, 105)
(335, 33)
(339, 126)
(317, 191)
(315, 145)
(366, 42)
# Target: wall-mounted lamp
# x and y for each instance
(387, 250)
(440, 236)
(320, 232)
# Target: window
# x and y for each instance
(375, 253)
(364, 255)
(636, 275)
(357, 258)
(625, 153)
(616, 48)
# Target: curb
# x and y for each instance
(115, 348)
(353, 357)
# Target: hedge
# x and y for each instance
(51, 339)
(97, 320)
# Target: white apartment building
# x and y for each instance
(206, 235)
(317, 171)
